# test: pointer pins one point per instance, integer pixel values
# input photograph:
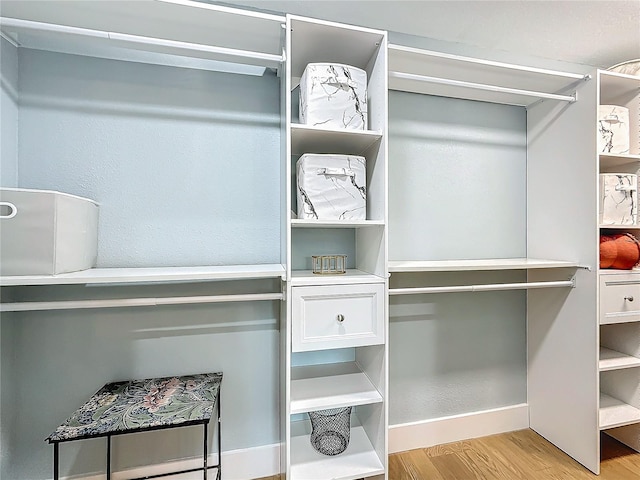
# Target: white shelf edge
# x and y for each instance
(307, 277)
(359, 460)
(488, 63)
(301, 127)
(476, 265)
(617, 413)
(149, 275)
(619, 227)
(322, 387)
(613, 360)
(151, 44)
(621, 156)
(303, 223)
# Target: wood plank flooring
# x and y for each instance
(521, 455)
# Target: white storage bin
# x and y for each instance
(333, 96)
(618, 199)
(46, 233)
(613, 129)
(332, 187)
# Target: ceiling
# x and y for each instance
(600, 33)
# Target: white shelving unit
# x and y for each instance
(354, 297)
(619, 380)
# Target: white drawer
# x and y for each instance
(337, 316)
(619, 298)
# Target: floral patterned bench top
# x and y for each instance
(129, 406)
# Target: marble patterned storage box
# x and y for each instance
(618, 199)
(613, 129)
(331, 187)
(333, 96)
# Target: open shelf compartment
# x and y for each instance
(616, 413)
(320, 387)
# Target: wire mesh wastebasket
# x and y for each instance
(330, 430)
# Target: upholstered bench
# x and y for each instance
(142, 405)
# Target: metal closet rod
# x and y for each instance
(483, 288)
(137, 39)
(136, 302)
(481, 86)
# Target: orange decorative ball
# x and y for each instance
(608, 251)
(620, 251)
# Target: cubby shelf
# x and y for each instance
(610, 160)
(310, 139)
(307, 277)
(359, 460)
(105, 276)
(615, 413)
(612, 360)
(473, 265)
(303, 223)
(318, 387)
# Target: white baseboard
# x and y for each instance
(242, 464)
(427, 433)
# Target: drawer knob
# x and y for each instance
(340, 318)
(629, 298)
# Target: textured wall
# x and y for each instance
(457, 176)
(184, 163)
(9, 114)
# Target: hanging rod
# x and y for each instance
(267, 58)
(482, 288)
(482, 86)
(135, 302)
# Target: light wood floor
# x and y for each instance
(522, 455)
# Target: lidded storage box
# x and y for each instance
(613, 129)
(332, 187)
(618, 199)
(333, 96)
(44, 232)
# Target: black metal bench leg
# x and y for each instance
(56, 461)
(108, 457)
(204, 453)
(219, 476)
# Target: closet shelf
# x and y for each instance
(319, 387)
(476, 265)
(613, 360)
(359, 460)
(118, 29)
(434, 73)
(303, 223)
(615, 413)
(307, 277)
(610, 160)
(105, 276)
(310, 139)
(614, 85)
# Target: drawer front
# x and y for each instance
(619, 298)
(341, 316)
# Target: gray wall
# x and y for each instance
(9, 114)
(457, 176)
(186, 167)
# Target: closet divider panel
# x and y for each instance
(562, 335)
